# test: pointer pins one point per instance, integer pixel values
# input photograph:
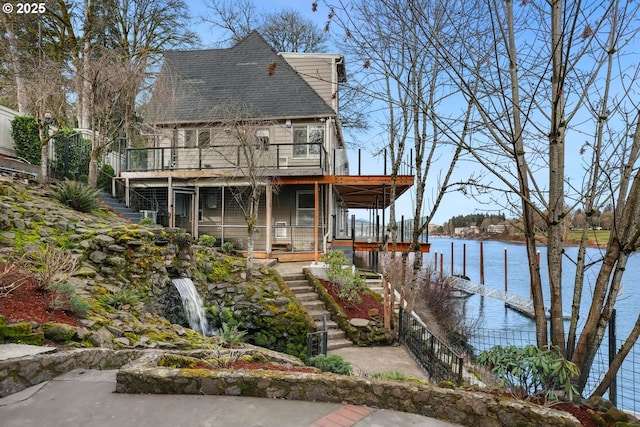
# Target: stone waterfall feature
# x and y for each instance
(193, 306)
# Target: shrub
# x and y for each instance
(121, 297)
(340, 273)
(77, 196)
(227, 248)
(65, 297)
(390, 375)
(51, 265)
(331, 363)
(146, 221)
(12, 275)
(230, 336)
(529, 371)
(207, 240)
(24, 131)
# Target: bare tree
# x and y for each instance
(557, 71)
(247, 149)
(109, 81)
(285, 30)
(405, 80)
(537, 75)
(138, 32)
(15, 63)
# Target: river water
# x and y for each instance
(491, 314)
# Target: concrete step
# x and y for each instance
(297, 283)
(336, 337)
(301, 289)
(306, 296)
(339, 343)
(330, 324)
(314, 305)
(336, 334)
(317, 314)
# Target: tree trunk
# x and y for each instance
(44, 152)
(523, 183)
(14, 58)
(93, 170)
(556, 176)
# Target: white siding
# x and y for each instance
(6, 142)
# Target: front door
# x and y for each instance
(184, 210)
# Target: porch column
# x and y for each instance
(127, 196)
(171, 201)
(269, 215)
(316, 220)
(196, 213)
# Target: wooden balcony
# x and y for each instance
(226, 161)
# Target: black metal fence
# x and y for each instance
(70, 157)
(435, 357)
(627, 386)
(317, 341)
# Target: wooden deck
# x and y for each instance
(371, 246)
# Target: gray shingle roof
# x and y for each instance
(205, 85)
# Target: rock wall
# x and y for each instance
(139, 373)
(18, 374)
(457, 406)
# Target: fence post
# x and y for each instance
(325, 335)
(613, 386)
(400, 323)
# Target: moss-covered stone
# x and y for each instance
(59, 332)
(615, 416)
(35, 338)
(15, 330)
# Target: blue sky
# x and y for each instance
(452, 205)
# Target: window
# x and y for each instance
(305, 204)
(190, 138)
(204, 138)
(281, 229)
(197, 138)
(307, 141)
(262, 139)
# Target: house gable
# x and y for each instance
(207, 85)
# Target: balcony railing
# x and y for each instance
(275, 156)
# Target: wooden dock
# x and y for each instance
(514, 302)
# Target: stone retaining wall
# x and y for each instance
(139, 373)
(20, 373)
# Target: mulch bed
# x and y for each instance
(29, 303)
(369, 308)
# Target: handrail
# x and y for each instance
(274, 156)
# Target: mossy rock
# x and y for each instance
(615, 416)
(59, 332)
(35, 338)
(17, 330)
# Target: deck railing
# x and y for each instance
(275, 156)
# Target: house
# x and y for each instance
(472, 229)
(221, 119)
(6, 141)
(9, 161)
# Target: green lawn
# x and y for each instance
(595, 235)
